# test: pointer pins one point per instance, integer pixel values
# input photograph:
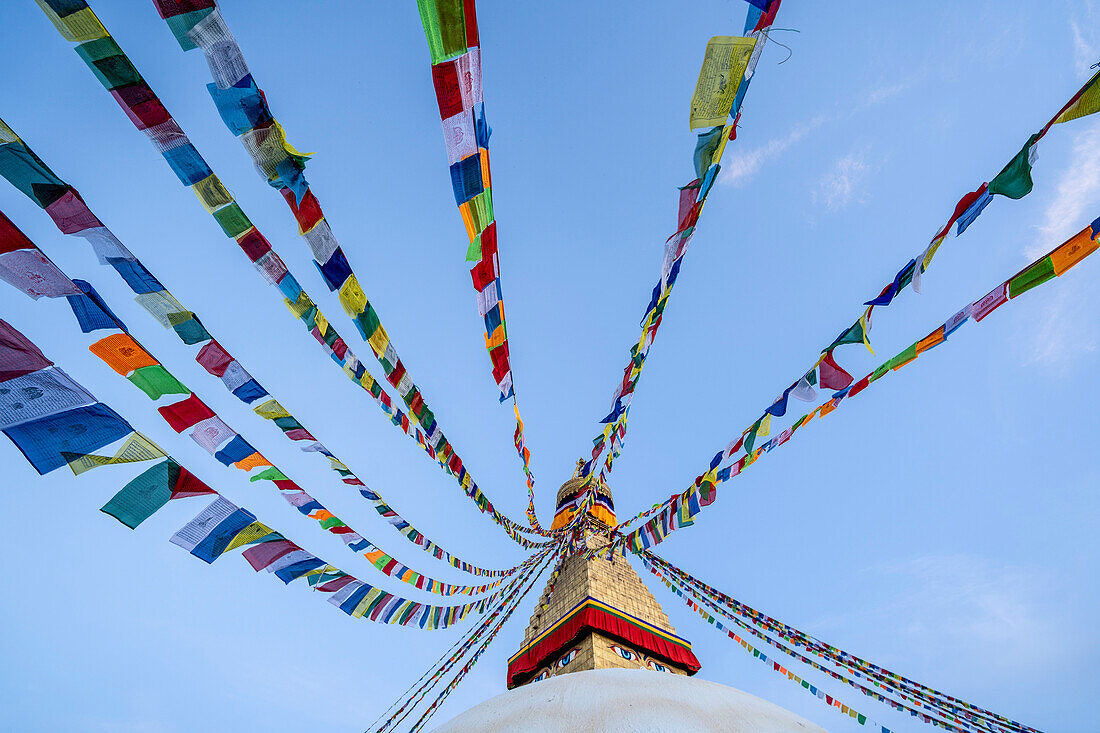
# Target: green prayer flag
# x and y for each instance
(482, 209)
(232, 220)
(108, 63)
(473, 252)
(287, 423)
(1037, 274)
(444, 26)
(860, 717)
(142, 497)
(908, 355)
(182, 23)
(1014, 180)
(270, 474)
(369, 320)
(188, 327)
(750, 439)
(883, 369)
(155, 381)
(854, 335)
(330, 335)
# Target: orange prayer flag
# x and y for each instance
(1073, 251)
(930, 340)
(484, 157)
(249, 462)
(468, 219)
(120, 352)
(496, 339)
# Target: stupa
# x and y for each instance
(599, 653)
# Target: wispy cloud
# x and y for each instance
(1078, 189)
(740, 168)
(879, 95)
(841, 185)
(1086, 40)
(991, 610)
(1064, 329)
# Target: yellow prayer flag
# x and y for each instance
(136, 448)
(212, 194)
(765, 426)
(270, 410)
(932, 252)
(1086, 104)
(717, 158)
(249, 534)
(352, 297)
(321, 322)
(82, 25)
(300, 306)
(379, 340)
(286, 145)
(7, 135)
(719, 78)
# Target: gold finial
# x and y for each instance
(580, 465)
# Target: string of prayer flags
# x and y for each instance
(450, 27)
(169, 139)
(941, 716)
(49, 442)
(680, 510)
(484, 632)
(1014, 181)
(906, 689)
(36, 435)
(283, 168)
(728, 66)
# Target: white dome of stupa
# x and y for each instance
(626, 701)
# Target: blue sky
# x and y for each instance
(942, 525)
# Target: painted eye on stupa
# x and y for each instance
(544, 674)
(624, 653)
(568, 657)
(657, 666)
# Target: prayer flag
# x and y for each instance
(1014, 180)
(1036, 274)
(81, 430)
(723, 67)
(18, 356)
(142, 497)
(39, 394)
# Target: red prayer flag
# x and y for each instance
(960, 208)
(170, 8)
(832, 376)
(188, 485)
(469, 10)
(483, 273)
(214, 358)
(254, 244)
(11, 238)
(185, 413)
(447, 91)
(308, 213)
(395, 376)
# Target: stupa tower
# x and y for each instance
(596, 613)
